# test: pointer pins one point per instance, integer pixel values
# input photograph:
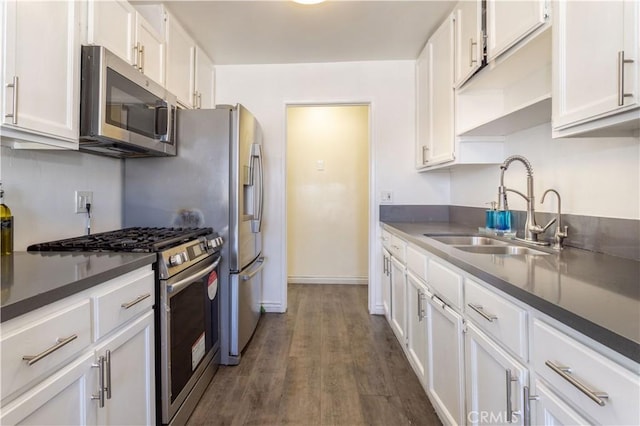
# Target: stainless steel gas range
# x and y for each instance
(187, 306)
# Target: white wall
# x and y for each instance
(594, 176)
(39, 189)
(327, 205)
(387, 86)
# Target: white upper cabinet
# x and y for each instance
(181, 50)
(435, 143)
(205, 81)
(41, 72)
(595, 67)
(468, 36)
(510, 21)
(116, 25)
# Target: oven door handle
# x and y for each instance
(176, 287)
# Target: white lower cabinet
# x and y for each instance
(417, 296)
(398, 301)
(549, 409)
(494, 382)
(129, 375)
(62, 399)
(445, 358)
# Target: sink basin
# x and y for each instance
(468, 240)
(500, 250)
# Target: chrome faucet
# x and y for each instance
(531, 229)
(560, 234)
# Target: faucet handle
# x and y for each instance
(537, 229)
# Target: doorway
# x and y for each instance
(327, 181)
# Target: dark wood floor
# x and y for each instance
(325, 362)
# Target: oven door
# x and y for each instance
(189, 331)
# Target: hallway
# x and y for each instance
(326, 361)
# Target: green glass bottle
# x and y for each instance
(6, 233)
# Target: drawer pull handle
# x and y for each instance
(510, 378)
(32, 359)
(481, 312)
(136, 301)
(565, 373)
(100, 395)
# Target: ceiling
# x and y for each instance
(282, 32)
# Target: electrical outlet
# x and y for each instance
(386, 197)
(81, 200)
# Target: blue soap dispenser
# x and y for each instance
(490, 216)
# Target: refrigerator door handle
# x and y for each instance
(258, 198)
(259, 265)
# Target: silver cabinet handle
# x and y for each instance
(422, 312)
(565, 372)
(100, 395)
(107, 362)
(481, 312)
(527, 398)
(199, 100)
(425, 150)
(32, 359)
(621, 62)
(509, 379)
(14, 110)
(438, 301)
(195, 99)
(136, 55)
(471, 44)
(135, 301)
(141, 52)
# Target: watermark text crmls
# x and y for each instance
(490, 417)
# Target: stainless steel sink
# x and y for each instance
(501, 250)
(468, 240)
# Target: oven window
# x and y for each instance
(130, 107)
(189, 334)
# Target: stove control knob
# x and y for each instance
(178, 259)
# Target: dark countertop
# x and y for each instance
(31, 280)
(593, 293)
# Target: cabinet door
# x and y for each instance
(386, 284)
(446, 361)
(587, 40)
(398, 302)
(111, 23)
(441, 139)
(423, 113)
(62, 399)
(130, 374)
(180, 63)
(508, 22)
(548, 409)
(468, 36)
(41, 67)
(205, 79)
(417, 326)
(151, 55)
(491, 396)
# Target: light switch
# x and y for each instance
(320, 165)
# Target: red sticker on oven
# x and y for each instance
(212, 285)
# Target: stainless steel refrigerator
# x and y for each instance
(215, 180)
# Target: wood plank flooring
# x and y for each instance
(325, 362)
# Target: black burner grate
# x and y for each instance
(143, 240)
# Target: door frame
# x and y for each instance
(372, 291)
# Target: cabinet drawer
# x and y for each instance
(126, 298)
(501, 319)
(445, 283)
(386, 239)
(398, 248)
(590, 370)
(417, 262)
(49, 339)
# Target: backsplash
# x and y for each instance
(40, 187)
(616, 237)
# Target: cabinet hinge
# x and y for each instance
(464, 326)
(546, 12)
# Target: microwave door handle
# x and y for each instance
(162, 121)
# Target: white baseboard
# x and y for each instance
(273, 307)
(378, 309)
(301, 279)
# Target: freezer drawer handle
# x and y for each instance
(565, 373)
(251, 274)
(32, 359)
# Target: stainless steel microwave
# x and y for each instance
(123, 113)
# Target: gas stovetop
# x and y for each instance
(140, 240)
